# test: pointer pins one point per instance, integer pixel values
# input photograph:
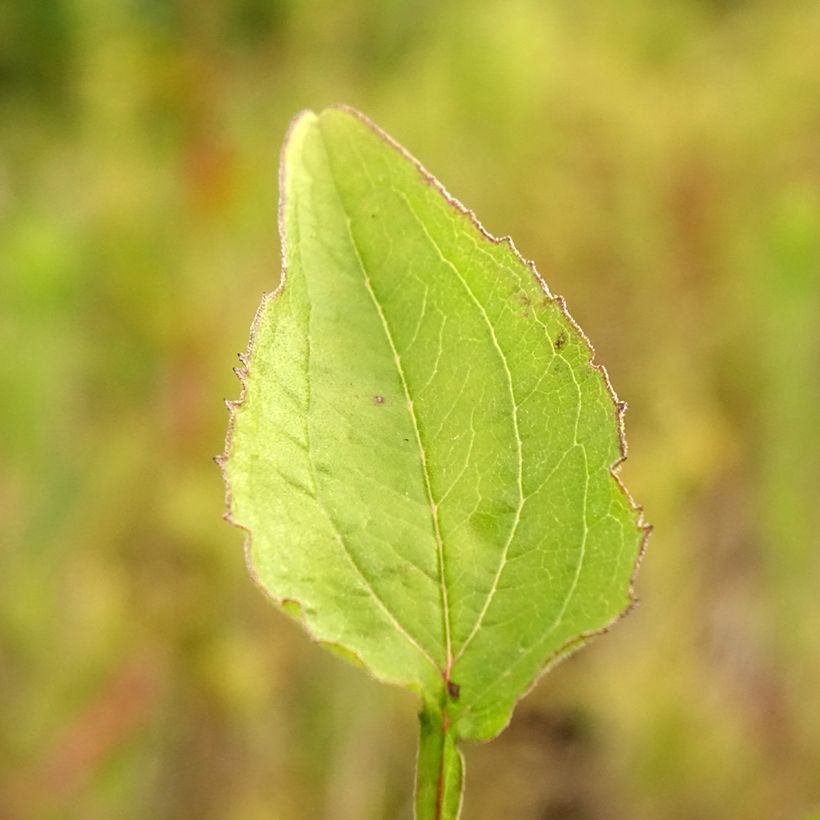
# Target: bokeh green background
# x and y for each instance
(659, 159)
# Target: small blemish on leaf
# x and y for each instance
(525, 302)
(560, 340)
(453, 690)
(377, 399)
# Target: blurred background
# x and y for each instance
(660, 161)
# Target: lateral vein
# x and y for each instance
(518, 443)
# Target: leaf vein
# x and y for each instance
(518, 442)
(326, 512)
(422, 452)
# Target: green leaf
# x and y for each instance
(422, 456)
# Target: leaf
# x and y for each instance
(422, 455)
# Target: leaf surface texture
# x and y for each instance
(422, 453)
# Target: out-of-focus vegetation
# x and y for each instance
(659, 161)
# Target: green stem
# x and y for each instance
(440, 769)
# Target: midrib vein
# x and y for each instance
(318, 496)
(411, 410)
(422, 452)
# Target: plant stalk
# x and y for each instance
(440, 768)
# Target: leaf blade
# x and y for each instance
(437, 373)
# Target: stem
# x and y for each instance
(440, 769)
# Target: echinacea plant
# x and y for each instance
(424, 454)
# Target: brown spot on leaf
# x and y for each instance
(560, 340)
(453, 690)
(377, 399)
(525, 302)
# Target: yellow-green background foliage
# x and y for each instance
(661, 163)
